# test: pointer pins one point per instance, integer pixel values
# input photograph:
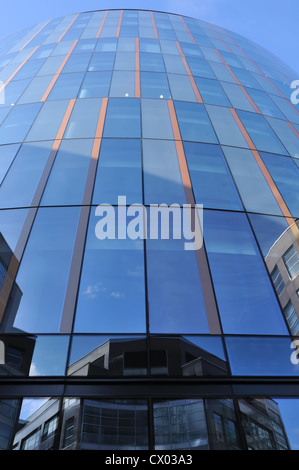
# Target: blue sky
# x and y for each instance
(273, 25)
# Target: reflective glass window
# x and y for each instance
(247, 302)
(77, 63)
(123, 84)
(176, 303)
(84, 119)
(261, 133)
(156, 123)
(154, 85)
(261, 356)
(66, 183)
(286, 135)
(211, 180)
(36, 89)
(7, 155)
(225, 126)
(66, 86)
(194, 122)
(181, 88)
(122, 118)
(211, 92)
(119, 172)
(111, 294)
(43, 274)
(162, 178)
(15, 127)
(150, 62)
(286, 177)
(95, 84)
(24, 175)
(200, 68)
(247, 175)
(101, 61)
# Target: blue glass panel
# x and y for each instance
(84, 119)
(119, 172)
(122, 118)
(15, 127)
(211, 180)
(24, 174)
(261, 133)
(176, 302)
(150, 62)
(43, 274)
(154, 85)
(7, 155)
(211, 92)
(261, 356)
(101, 61)
(66, 86)
(194, 122)
(162, 178)
(95, 84)
(66, 183)
(246, 299)
(286, 177)
(111, 295)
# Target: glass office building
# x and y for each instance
(135, 342)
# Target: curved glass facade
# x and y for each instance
(113, 124)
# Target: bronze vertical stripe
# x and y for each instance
(26, 44)
(101, 25)
(66, 30)
(22, 241)
(192, 81)
(18, 68)
(78, 253)
(154, 25)
(201, 258)
(54, 79)
(239, 83)
(188, 30)
(137, 69)
(277, 89)
(268, 177)
(119, 23)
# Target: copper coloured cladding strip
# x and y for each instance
(192, 81)
(201, 258)
(23, 238)
(154, 26)
(78, 252)
(26, 44)
(54, 79)
(18, 68)
(119, 23)
(188, 31)
(66, 30)
(268, 177)
(137, 69)
(239, 83)
(101, 25)
(248, 57)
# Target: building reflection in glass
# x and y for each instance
(119, 424)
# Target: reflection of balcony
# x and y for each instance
(283, 264)
(169, 356)
(10, 298)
